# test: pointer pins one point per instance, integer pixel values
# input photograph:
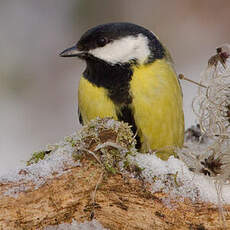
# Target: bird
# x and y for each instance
(130, 77)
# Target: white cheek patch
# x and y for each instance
(124, 50)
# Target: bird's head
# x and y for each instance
(117, 43)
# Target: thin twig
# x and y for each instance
(93, 154)
(94, 195)
(96, 187)
(110, 144)
(222, 218)
(134, 137)
(182, 77)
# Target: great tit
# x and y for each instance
(130, 77)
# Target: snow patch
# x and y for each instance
(174, 177)
(54, 164)
(87, 225)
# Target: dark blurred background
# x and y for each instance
(38, 89)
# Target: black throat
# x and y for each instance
(116, 79)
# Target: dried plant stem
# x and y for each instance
(94, 194)
(93, 154)
(218, 186)
(182, 77)
(96, 187)
(109, 144)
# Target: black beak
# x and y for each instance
(71, 52)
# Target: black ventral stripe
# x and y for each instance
(126, 115)
(116, 79)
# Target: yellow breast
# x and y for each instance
(93, 102)
(157, 105)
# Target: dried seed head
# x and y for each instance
(212, 165)
(212, 104)
(223, 52)
(212, 107)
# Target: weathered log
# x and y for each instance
(120, 201)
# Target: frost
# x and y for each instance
(87, 225)
(174, 177)
(212, 108)
(54, 160)
(212, 103)
(54, 164)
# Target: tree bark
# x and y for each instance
(120, 203)
(91, 190)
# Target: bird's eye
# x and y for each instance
(102, 42)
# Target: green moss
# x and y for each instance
(77, 156)
(132, 167)
(37, 156)
(97, 136)
(127, 164)
(110, 169)
(138, 169)
(175, 179)
(70, 140)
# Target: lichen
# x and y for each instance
(37, 156)
(107, 140)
